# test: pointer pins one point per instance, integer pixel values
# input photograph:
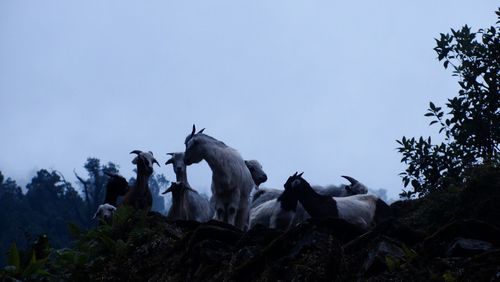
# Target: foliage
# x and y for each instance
(51, 203)
(94, 248)
(470, 127)
(29, 265)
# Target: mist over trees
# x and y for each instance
(51, 203)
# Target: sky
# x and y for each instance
(324, 87)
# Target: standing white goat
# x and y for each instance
(187, 204)
(231, 179)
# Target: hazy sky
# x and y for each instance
(324, 87)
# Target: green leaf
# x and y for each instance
(74, 230)
(13, 258)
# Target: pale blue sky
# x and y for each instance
(323, 87)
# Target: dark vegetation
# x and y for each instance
(449, 231)
(50, 203)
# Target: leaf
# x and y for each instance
(432, 106)
(13, 258)
(74, 230)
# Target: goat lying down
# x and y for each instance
(265, 194)
(363, 211)
(354, 188)
(296, 203)
(264, 201)
(187, 204)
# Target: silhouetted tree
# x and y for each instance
(471, 125)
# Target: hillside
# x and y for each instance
(451, 235)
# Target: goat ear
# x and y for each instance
(171, 154)
(136, 152)
(201, 131)
(156, 162)
(170, 161)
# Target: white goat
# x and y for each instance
(355, 188)
(105, 212)
(258, 174)
(187, 204)
(231, 179)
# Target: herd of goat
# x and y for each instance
(236, 196)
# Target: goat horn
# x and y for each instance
(194, 130)
(172, 185)
(295, 174)
(201, 131)
(168, 190)
(352, 180)
(300, 174)
(170, 154)
(136, 152)
(156, 162)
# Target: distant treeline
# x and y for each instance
(51, 203)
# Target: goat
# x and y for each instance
(265, 194)
(105, 212)
(231, 179)
(139, 196)
(187, 204)
(276, 213)
(355, 188)
(258, 174)
(361, 210)
(116, 186)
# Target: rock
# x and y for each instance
(378, 257)
(463, 247)
(307, 252)
(439, 243)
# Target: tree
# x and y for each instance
(471, 127)
(94, 187)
